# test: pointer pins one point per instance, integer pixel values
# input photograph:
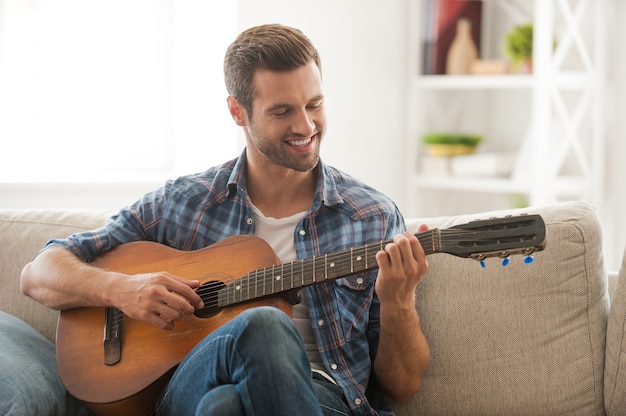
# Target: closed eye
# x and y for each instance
(314, 105)
(281, 112)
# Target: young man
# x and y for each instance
(351, 340)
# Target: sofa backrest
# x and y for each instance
(22, 234)
(521, 339)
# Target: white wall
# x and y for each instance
(363, 48)
(614, 209)
(363, 45)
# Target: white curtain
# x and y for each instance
(101, 90)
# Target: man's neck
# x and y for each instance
(281, 193)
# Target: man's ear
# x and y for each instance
(237, 112)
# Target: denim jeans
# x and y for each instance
(255, 364)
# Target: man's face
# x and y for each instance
(288, 120)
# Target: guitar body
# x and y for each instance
(149, 355)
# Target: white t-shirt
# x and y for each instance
(278, 233)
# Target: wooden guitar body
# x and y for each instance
(149, 355)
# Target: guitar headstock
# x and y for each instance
(494, 237)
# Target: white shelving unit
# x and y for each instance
(551, 119)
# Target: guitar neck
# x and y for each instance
(494, 237)
(307, 272)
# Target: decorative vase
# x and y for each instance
(462, 51)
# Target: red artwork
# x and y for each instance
(441, 19)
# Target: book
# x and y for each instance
(440, 29)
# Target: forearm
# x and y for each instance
(403, 352)
(59, 280)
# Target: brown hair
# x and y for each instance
(273, 47)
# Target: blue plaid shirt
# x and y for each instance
(196, 211)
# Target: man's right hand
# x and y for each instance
(59, 280)
(157, 298)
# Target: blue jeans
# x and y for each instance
(255, 364)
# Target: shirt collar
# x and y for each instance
(326, 191)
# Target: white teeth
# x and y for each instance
(302, 142)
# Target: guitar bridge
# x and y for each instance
(112, 343)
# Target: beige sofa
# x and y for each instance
(525, 339)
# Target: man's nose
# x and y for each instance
(303, 124)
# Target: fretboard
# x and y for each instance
(300, 273)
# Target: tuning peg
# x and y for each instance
(506, 261)
(483, 264)
(529, 259)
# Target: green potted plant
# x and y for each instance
(518, 45)
(450, 144)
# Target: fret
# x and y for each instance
(251, 290)
(267, 281)
(256, 293)
(325, 266)
(351, 260)
(252, 285)
(261, 287)
(290, 285)
(243, 285)
(359, 259)
(238, 290)
(366, 256)
(246, 290)
(319, 269)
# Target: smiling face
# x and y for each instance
(288, 119)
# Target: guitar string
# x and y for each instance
(210, 295)
(304, 272)
(307, 268)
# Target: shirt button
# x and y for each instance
(320, 322)
(359, 280)
(333, 366)
(249, 221)
(302, 232)
(357, 401)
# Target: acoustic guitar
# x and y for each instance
(116, 365)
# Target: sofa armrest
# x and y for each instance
(521, 339)
(22, 235)
(615, 360)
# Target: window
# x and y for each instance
(94, 90)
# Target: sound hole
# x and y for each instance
(208, 293)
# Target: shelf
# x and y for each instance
(455, 82)
(562, 79)
(557, 108)
(563, 186)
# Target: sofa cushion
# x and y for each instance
(22, 234)
(29, 384)
(615, 364)
(521, 339)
